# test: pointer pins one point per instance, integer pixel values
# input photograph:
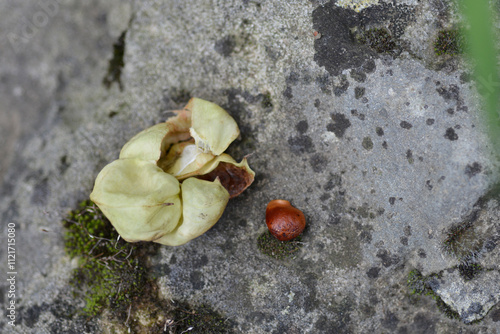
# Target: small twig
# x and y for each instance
(117, 239)
(128, 316)
(187, 330)
(97, 243)
(192, 313)
(131, 249)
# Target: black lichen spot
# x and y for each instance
(422, 324)
(450, 93)
(367, 143)
(337, 50)
(450, 42)
(390, 321)
(302, 127)
(293, 78)
(421, 253)
(339, 125)
(225, 45)
(338, 321)
(465, 77)
(365, 237)
(392, 200)
(342, 87)
(405, 125)
(41, 192)
(63, 164)
(324, 197)
(318, 162)
(325, 83)
(373, 272)
(196, 279)
(379, 131)
(450, 134)
(179, 95)
(384, 145)
(429, 121)
(490, 245)
(404, 241)
(429, 185)
(335, 181)
(116, 64)
(450, 111)
(359, 92)
(358, 76)
(474, 308)
(301, 144)
(288, 92)
(387, 259)
(409, 157)
(31, 315)
(472, 170)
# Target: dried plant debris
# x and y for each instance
(172, 181)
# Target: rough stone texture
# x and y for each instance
(382, 152)
(471, 299)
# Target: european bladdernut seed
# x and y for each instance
(284, 221)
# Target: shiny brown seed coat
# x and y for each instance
(283, 220)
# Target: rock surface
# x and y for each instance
(378, 142)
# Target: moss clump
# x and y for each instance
(462, 242)
(416, 282)
(469, 270)
(378, 39)
(449, 42)
(110, 273)
(418, 285)
(276, 249)
(267, 101)
(201, 319)
(111, 276)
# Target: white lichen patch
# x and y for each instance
(356, 5)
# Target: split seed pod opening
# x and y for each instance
(284, 221)
(172, 181)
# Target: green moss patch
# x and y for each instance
(461, 241)
(418, 285)
(111, 272)
(276, 249)
(113, 278)
(379, 39)
(449, 42)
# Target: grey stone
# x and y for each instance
(471, 299)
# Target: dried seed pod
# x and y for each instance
(284, 221)
(172, 182)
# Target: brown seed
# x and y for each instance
(283, 220)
